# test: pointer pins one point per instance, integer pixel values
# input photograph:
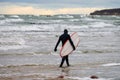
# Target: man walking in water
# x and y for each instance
(64, 37)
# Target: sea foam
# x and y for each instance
(111, 64)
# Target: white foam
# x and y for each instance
(111, 64)
(74, 20)
(2, 22)
(100, 24)
(11, 20)
(29, 28)
(54, 53)
(15, 16)
(42, 21)
(12, 43)
(84, 26)
(14, 20)
(65, 16)
(19, 28)
(2, 16)
(1, 65)
(46, 28)
(10, 40)
(86, 78)
(12, 47)
(83, 15)
(88, 19)
(74, 28)
(18, 74)
(55, 21)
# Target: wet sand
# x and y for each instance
(50, 72)
(34, 72)
(83, 66)
(28, 72)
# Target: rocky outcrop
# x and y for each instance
(107, 12)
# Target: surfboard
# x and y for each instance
(67, 47)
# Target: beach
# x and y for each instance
(104, 66)
(27, 47)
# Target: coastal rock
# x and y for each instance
(107, 12)
(94, 77)
(61, 76)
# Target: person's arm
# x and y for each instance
(71, 42)
(55, 49)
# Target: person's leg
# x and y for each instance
(63, 59)
(67, 61)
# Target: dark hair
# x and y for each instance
(65, 31)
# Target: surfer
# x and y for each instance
(64, 37)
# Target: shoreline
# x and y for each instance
(51, 73)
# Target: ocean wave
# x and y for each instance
(65, 16)
(100, 50)
(14, 16)
(19, 74)
(5, 21)
(87, 78)
(55, 21)
(14, 20)
(45, 22)
(2, 22)
(2, 16)
(89, 19)
(111, 64)
(14, 40)
(54, 53)
(12, 47)
(100, 24)
(12, 43)
(74, 20)
(21, 28)
(19, 65)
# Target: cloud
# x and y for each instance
(73, 3)
(24, 10)
(14, 9)
(76, 10)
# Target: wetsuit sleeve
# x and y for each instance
(55, 49)
(71, 42)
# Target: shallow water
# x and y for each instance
(105, 66)
(28, 40)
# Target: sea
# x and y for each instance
(30, 40)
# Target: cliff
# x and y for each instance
(107, 12)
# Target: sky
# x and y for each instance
(52, 7)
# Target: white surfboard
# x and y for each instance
(67, 47)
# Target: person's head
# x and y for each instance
(66, 31)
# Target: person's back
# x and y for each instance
(64, 37)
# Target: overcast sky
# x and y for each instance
(55, 6)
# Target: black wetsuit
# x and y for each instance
(64, 37)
